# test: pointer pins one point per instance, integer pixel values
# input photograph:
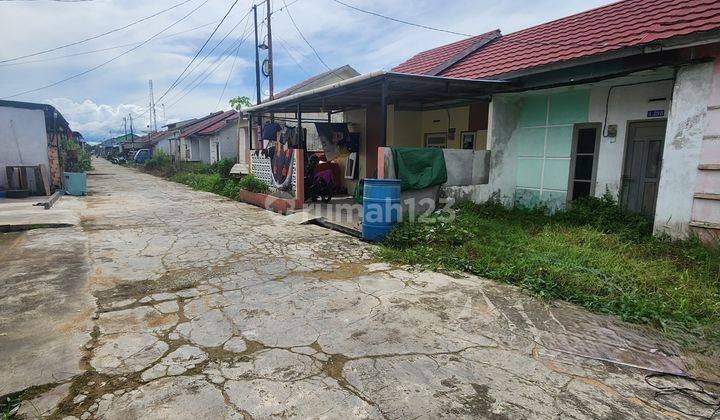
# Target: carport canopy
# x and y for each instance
(406, 90)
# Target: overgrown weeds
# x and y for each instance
(252, 184)
(213, 178)
(596, 255)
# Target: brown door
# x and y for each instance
(641, 171)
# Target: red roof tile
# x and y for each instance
(228, 117)
(619, 25)
(426, 61)
(206, 122)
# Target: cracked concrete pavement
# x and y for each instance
(171, 303)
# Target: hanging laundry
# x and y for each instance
(282, 163)
(334, 138)
(270, 130)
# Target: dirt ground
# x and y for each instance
(170, 303)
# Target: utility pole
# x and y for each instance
(153, 113)
(257, 59)
(164, 116)
(271, 83)
(125, 126)
(132, 135)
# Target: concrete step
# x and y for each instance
(709, 167)
(705, 225)
(707, 196)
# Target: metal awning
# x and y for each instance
(407, 91)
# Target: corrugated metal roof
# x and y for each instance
(205, 122)
(228, 117)
(318, 80)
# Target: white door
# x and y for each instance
(214, 151)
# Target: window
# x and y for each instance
(583, 162)
(467, 140)
(436, 140)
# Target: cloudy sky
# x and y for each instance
(95, 103)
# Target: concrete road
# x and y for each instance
(171, 303)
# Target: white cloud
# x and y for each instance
(96, 121)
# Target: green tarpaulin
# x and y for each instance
(419, 168)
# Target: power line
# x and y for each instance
(232, 67)
(210, 70)
(95, 36)
(305, 39)
(42, 60)
(198, 52)
(112, 59)
(297, 62)
(215, 46)
(400, 20)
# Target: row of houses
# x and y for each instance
(623, 99)
(206, 139)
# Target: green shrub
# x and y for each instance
(203, 182)
(224, 166)
(73, 157)
(160, 161)
(605, 215)
(231, 189)
(194, 167)
(252, 184)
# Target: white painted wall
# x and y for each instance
(228, 139)
(683, 143)
(23, 139)
(627, 103)
(502, 121)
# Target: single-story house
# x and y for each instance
(313, 139)
(31, 134)
(623, 98)
(219, 138)
(195, 146)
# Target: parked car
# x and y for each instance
(142, 155)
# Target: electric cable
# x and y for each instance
(205, 57)
(59, 57)
(110, 60)
(400, 20)
(284, 46)
(209, 71)
(96, 36)
(199, 51)
(305, 39)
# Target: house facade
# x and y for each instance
(30, 135)
(622, 99)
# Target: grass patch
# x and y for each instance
(9, 406)
(597, 256)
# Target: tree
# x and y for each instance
(240, 102)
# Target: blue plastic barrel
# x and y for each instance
(381, 208)
(76, 183)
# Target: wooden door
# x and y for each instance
(643, 161)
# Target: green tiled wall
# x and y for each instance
(556, 174)
(559, 141)
(529, 173)
(529, 141)
(543, 140)
(533, 111)
(569, 108)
